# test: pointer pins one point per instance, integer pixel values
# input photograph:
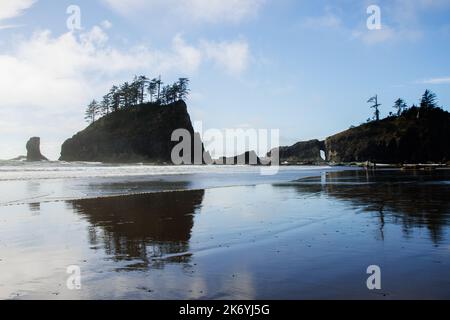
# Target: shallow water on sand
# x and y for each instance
(50, 181)
(310, 238)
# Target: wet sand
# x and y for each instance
(306, 239)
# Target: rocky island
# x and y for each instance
(419, 135)
(133, 123)
(411, 136)
(34, 154)
(140, 134)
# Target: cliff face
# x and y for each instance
(142, 133)
(305, 152)
(419, 135)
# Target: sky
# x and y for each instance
(306, 68)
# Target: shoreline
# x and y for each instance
(284, 164)
(99, 185)
(45, 186)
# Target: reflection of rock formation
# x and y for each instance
(144, 227)
(412, 199)
(137, 186)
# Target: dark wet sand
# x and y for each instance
(309, 239)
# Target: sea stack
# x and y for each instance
(142, 133)
(34, 150)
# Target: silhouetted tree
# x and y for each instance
(173, 92)
(125, 95)
(92, 110)
(159, 85)
(429, 100)
(134, 93)
(105, 106)
(400, 106)
(376, 106)
(152, 89)
(183, 88)
(414, 107)
(114, 94)
(165, 95)
(140, 84)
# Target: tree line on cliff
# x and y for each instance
(428, 101)
(140, 90)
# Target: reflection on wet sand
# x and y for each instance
(136, 186)
(307, 239)
(412, 199)
(149, 228)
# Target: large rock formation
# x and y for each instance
(306, 152)
(34, 150)
(139, 134)
(419, 135)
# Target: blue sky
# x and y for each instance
(304, 67)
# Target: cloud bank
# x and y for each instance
(13, 8)
(51, 78)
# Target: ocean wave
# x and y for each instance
(64, 170)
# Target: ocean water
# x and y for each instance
(226, 233)
(23, 182)
(20, 170)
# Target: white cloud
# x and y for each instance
(186, 55)
(72, 65)
(232, 56)
(10, 26)
(106, 24)
(13, 8)
(401, 21)
(50, 78)
(209, 11)
(443, 80)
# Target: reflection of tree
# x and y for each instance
(413, 199)
(145, 227)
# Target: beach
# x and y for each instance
(139, 232)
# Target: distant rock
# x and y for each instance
(420, 135)
(34, 150)
(139, 134)
(305, 152)
(247, 158)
